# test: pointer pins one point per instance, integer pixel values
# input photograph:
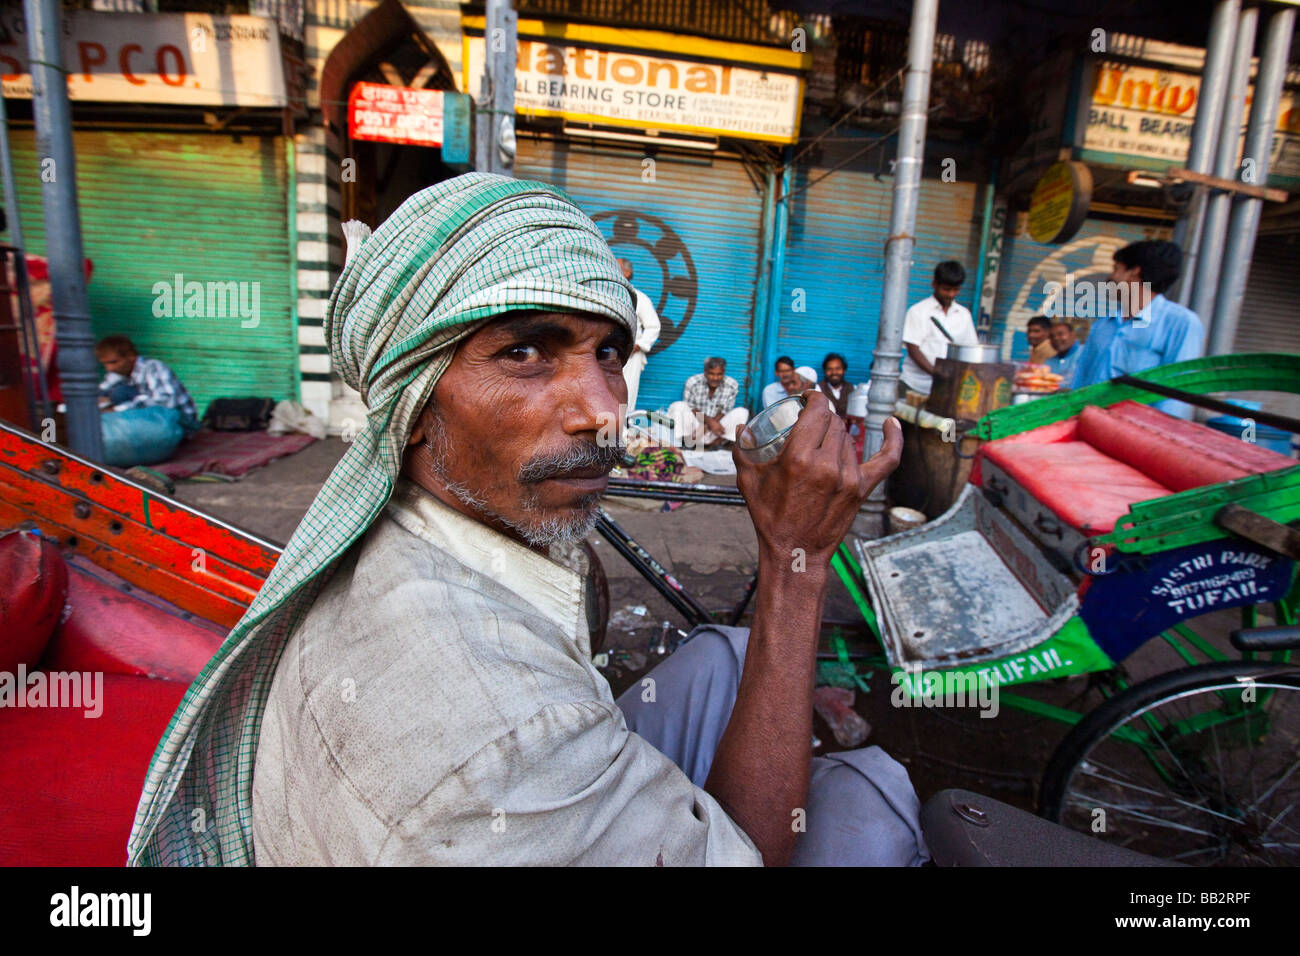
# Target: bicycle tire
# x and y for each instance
(1102, 722)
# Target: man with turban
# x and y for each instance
(413, 683)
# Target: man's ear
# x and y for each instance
(420, 430)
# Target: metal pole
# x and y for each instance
(902, 227)
(1205, 132)
(53, 117)
(1218, 205)
(1243, 225)
(495, 133)
(762, 321)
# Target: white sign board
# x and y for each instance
(188, 58)
(648, 90)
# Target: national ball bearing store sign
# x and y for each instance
(395, 114)
(649, 80)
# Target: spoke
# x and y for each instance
(1280, 780)
(1177, 800)
(1150, 819)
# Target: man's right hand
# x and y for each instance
(808, 497)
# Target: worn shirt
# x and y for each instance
(1064, 364)
(696, 394)
(919, 329)
(438, 705)
(647, 323)
(156, 385)
(1161, 334)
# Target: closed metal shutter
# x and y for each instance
(211, 208)
(1027, 265)
(835, 260)
(1269, 320)
(692, 235)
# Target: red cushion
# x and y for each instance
(33, 589)
(111, 631)
(1087, 489)
(1203, 441)
(1155, 451)
(70, 783)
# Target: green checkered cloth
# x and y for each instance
(453, 256)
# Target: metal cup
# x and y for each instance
(762, 439)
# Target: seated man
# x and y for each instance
(1145, 329)
(707, 412)
(146, 411)
(1066, 356)
(833, 385)
(788, 382)
(413, 683)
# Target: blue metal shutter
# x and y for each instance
(692, 235)
(210, 207)
(836, 256)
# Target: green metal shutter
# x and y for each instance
(835, 260)
(210, 207)
(692, 236)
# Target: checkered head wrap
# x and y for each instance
(452, 257)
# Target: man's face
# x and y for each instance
(714, 376)
(785, 374)
(522, 430)
(1062, 338)
(1036, 334)
(946, 294)
(123, 363)
(834, 372)
(1129, 274)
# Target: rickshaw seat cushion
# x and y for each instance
(1176, 453)
(1086, 488)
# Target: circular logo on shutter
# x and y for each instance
(647, 241)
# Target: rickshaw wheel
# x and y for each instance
(1215, 780)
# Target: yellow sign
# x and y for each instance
(649, 80)
(1060, 202)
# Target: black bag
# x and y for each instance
(239, 414)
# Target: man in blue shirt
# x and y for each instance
(1066, 357)
(1149, 330)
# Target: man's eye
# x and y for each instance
(522, 353)
(608, 353)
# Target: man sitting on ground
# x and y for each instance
(146, 411)
(707, 412)
(413, 683)
(788, 382)
(833, 385)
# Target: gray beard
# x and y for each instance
(540, 532)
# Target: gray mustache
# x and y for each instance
(576, 458)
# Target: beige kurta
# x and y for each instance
(438, 705)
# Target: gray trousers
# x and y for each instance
(861, 808)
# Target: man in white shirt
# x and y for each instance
(932, 324)
(647, 333)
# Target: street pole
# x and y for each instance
(78, 369)
(902, 236)
(1244, 222)
(494, 140)
(1217, 206)
(1205, 133)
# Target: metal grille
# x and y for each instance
(746, 20)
